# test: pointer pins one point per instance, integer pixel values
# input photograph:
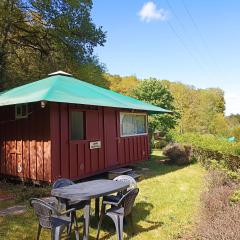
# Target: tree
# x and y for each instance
(152, 91)
(120, 84)
(38, 37)
(201, 110)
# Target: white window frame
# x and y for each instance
(136, 134)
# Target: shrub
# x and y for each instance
(159, 144)
(208, 147)
(178, 153)
(235, 197)
(209, 142)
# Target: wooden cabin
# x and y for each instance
(62, 127)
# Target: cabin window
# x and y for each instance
(21, 111)
(77, 125)
(133, 124)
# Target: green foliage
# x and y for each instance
(235, 197)
(179, 154)
(159, 144)
(208, 141)
(223, 167)
(201, 110)
(209, 147)
(234, 126)
(152, 91)
(40, 37)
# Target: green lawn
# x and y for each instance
(165, 208)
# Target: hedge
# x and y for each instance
(208, 147)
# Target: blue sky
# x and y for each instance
(194, 42)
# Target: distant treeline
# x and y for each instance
(200, 110)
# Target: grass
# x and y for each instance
(165, 208)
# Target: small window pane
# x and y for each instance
(141, 124)
(24, 109)
(132, 124)
(77, 125)
(19, 110)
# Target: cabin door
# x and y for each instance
(111, 137)
(86, 142)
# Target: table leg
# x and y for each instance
(97, 200)
(86, 221)
(75, 226)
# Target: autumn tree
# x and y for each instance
(120, 84)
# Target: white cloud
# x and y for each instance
(149, 12)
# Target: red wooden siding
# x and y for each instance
(74, 159)
(39, 147)
(25, 144)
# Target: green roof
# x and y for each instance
(66, 89)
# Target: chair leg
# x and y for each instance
(56, 233)
(86, 220)
(74, 220)
(69, 230)
(118, 222)
(39, 231)
(120, 233)
(100, 220)
(131, 222)
(97, 200)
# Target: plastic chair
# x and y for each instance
(63, 182)
(118, 211)
(49, 217)
(123, 178)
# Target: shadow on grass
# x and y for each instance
(140, 213)
(156, 167)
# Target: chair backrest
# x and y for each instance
(62, 182)
(125, 178)
(44, 211)
(128, 200)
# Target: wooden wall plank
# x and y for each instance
(47, 161)
(81, 158)
(64, 136)
(87, 158)
(73, 161)
(101, 162)
(94, 160)
(55, 141)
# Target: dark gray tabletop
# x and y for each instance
(89, 190)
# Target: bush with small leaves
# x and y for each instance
(179, 154)
(235, 197)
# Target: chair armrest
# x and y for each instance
(68, 211)
(112, 198)
(116, 204)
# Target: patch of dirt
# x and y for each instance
(7, 196)
(14, 210)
